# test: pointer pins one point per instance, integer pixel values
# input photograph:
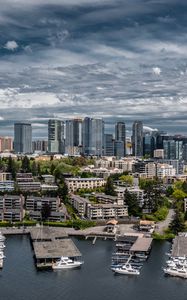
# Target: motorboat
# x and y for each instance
(141, 256)
(2, 238)
(2, 255)
(171, 263)
(66, 263)
(126, 269)
(177, 272)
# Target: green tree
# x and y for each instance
(34, 168)
(63, 190)
(11, 167)
(179, 194)
(184, 187)
(26, 165)
(127, 179)
(178, 223)
(45, 211)
(109, 187)
(133, 206)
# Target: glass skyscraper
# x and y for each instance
(22, 138)
(73, 141)
(120, 135)
(93, 136)
(55, 136)
(137, 138)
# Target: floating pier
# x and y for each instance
(179, 247)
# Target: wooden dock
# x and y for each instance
(50, 244)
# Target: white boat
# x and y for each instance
(66, 263)
(171, 263)
(141, 255)
(126, 269)
(177, 272)
(2, 238)
(1, 263)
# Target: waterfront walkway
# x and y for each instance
(161, 226)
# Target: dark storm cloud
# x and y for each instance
(119, 59)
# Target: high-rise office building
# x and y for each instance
(148, 144)
(173, 149)
(119, 149)
(93, 136)
(23, 138)
(185, 152)
(55, 136)
(108, 144)
(73, 141)
(137, 138)
(120, 134)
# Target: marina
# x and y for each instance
(93, 281)
(2, 247)
(130, 253)
(176, 266)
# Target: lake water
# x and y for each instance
(19, 279)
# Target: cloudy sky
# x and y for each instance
(116, 59)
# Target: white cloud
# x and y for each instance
(156, 70)
(11, 45)
(149, 129)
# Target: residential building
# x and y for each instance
(34, 206)
(40, 146)
(164, 170)
(11, 208)
(106, 211)
(23, 138)
(98, 211)
(75, 184)
(159, 153)
(6, 144)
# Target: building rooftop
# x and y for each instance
(179, 247)
(47, 233)
(142, 244)
(83, 179)
(55, 249)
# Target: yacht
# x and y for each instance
(174, 271)
(126, 269)
(66, 263)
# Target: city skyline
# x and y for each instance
(110, 128)
(118, 60)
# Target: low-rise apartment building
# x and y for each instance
(75, 184)
(86, 208)
(11, 208)
(34, 206)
